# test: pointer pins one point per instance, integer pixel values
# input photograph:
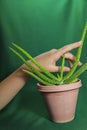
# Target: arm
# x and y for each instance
(10, 86)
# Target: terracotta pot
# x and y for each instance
(61, 100)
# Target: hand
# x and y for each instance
(49, 59)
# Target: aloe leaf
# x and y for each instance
(35, 62)
(77, 55)
(76, 74)
(33, 69)
(62, 67)
(59, 78)
(37, 78)
(84, 33)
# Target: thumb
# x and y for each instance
(58, 69)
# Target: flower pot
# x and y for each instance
(61, 100)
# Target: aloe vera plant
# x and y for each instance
(46, 77)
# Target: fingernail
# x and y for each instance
(67, 69)
(80, 63)
(80, 42)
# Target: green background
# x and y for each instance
(38, 26)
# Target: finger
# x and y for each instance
(80, 63)
(70, 63)
(71, 57)
(67, 48)
(58, 69)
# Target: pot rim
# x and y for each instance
(58, 88)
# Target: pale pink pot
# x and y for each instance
(61, 100)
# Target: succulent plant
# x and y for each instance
(47, 78)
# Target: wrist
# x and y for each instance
(19, 73)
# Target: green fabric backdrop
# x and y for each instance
(38, 26)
